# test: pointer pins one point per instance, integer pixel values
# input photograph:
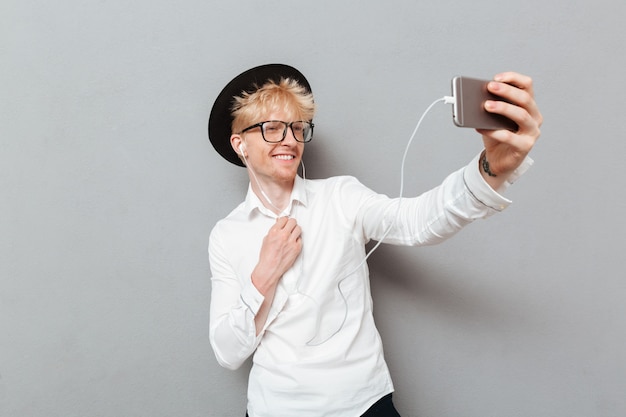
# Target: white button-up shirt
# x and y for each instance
(319, 352)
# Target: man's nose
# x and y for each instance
(290, 136)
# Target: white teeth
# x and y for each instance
(284, 157)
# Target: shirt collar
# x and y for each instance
(298, 195)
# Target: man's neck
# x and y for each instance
(274, 195)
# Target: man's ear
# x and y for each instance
(236, 141)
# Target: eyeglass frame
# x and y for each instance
(287, 126)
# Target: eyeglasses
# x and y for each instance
(275, 131)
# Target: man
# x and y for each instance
(289, 280)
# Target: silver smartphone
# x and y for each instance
(468, 110)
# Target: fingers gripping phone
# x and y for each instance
(468, 110)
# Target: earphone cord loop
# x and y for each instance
(380, 241)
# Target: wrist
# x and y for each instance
(484, 164)
(263, 281)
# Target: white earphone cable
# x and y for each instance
(380, 241)
(399, 200)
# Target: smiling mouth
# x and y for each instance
(284, 157)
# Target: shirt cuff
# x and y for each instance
(483, 192)
(252, 298)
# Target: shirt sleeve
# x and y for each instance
(233, 307)
(436, 215)
(483, 192)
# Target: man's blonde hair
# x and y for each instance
(286, 95)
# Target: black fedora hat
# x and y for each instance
(220, 119)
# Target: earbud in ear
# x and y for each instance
(241, 148)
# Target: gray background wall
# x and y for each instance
(109, 189)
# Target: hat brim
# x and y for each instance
(220, 119)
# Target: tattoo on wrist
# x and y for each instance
(485, 164)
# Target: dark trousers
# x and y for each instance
(382, 408)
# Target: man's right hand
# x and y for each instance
(281, 246)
